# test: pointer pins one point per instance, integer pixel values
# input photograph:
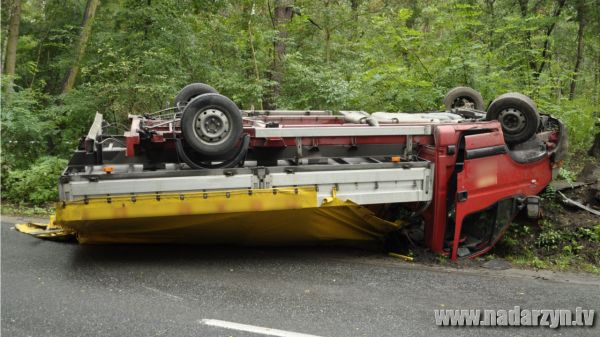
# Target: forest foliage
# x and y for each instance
(378, 55)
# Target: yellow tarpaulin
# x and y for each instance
(257, 217)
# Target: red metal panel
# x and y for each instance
(482, 140)
(494, 178)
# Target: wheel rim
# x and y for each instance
(513, 120)
(211, 126)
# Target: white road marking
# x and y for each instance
(253, 328)
(175, 297)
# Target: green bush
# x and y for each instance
(24, 128)
(36, 185)
(578, 116)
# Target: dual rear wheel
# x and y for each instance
(211, 123)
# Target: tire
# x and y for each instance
(455, 98)
(517, 114)
(185, 95)
(211, 124)
(517, 95)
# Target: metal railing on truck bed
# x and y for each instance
(362, 180)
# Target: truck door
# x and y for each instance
(485, 200)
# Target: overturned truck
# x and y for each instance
(205, 171)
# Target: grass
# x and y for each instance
(559, 263)
(563, 240)
(26, 210)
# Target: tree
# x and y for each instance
(549, 29)
(11, 43)
(538, 64)
(282, 16)
(84, 36)
(581, 20)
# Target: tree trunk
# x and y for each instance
(596, 92)
(549, 30)
(3, 56)
(327, 31)
(253, 51)
(11, 43)
(84, 36)
(283, 15)
(594, 151)
(491, 27)
(416, 12)
(147, 22)
(579, 56)
(525, 10)
(354, 4)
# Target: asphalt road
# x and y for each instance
(63, 289)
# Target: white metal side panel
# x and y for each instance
(365, 187)
(79, 189)
(362, 186)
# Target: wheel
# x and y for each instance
(463, 97)
(517, 114)
(211, 124)
(190, 91)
